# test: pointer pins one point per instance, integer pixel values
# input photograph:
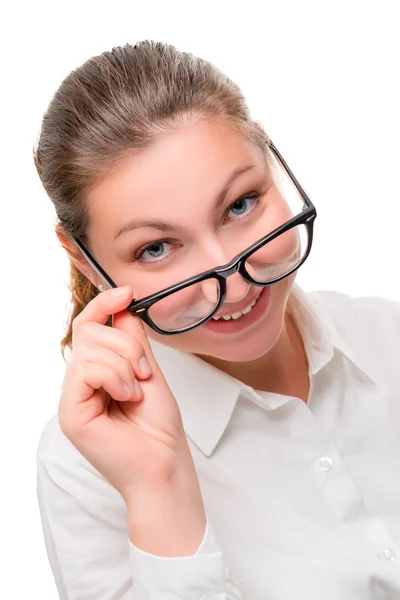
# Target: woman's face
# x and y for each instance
(167, 200)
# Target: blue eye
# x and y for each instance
(155, 252)
(244, 206)
(240, 207)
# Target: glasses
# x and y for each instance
(183, 306)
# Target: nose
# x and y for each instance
(236, 288)
(210, 290)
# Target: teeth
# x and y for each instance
(237, 315)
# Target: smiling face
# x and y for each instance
(161, 217)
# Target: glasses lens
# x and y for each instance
(187, 307)
(279, 256)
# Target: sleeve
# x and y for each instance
(87, 541)
(200, 577)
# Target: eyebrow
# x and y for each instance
(165, 226)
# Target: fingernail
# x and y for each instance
(119, 291)
(138, 389)
(144, 366)
(127, 390)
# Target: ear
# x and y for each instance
(76, 256)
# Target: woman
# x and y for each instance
(221, 434)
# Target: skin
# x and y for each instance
(177, 180)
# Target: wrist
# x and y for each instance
(168, 520)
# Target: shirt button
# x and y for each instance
(389, 555)
(325, 463)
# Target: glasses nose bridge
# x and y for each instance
(230, 269)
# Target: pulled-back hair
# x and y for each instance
(116, 104)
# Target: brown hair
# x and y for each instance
(113, 105)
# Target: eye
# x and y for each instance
(244, 206)
(154, 252)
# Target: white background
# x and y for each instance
(322, 77)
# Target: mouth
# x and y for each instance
(240, 320)
(239, 313)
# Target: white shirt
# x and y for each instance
(302, 500)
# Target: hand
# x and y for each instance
(135, 439)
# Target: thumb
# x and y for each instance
(134, 326)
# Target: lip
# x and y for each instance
(242, 307)
(233, 326)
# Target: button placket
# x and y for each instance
(373, 530)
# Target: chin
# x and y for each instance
(253, 346)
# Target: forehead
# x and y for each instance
(179, 170)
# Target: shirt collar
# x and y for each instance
(207, 396)
(320, 331)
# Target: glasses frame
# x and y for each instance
(140, 308)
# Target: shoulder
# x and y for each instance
(360, 309)
(54, 448)
(84, 521)
(370, 325)
(63, 471)
(57, 459)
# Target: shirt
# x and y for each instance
(302, 499)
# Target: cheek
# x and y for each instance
(282, 291)
(188, 342)
(197, 341)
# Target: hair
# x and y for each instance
(116, 104)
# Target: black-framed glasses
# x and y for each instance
(188, 304)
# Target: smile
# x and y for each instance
(238, 314)
(241, 320)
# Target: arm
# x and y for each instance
(168, 519)
(90, 535)
(173, 545)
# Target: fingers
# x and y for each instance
(107, 360)
(102, 306)
(86, 380)
(114, 302)
(120, 342)
(133, 326)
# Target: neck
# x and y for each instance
(282, 370)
